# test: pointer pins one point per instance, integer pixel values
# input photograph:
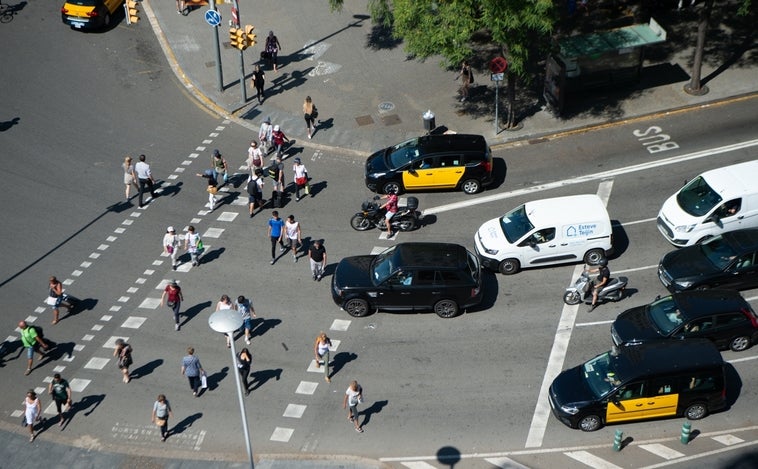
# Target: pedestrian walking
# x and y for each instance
(130, 177)
(275, 234)
(254, 157)
(272, 49)
(56, 298)
(32, 412)
(225, 303)
(31, 341)
(246, 310)
(192, 369)
(310, 114)
(278, 138)
(321, 351)
(173, 297)
(292, 228)
(220, 168)
(123, 352)
(180, 7)
(301, 178)
(353, 397)
(466, 78)
(255, 191)
(161, 412)
(258, 81)
(60, 391)
(171, 246)
(317, 257)
(145, 179)
(264, 135)
(244, 361)
(194, 245)
(276, 173)
(212, 188)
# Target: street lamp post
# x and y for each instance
(227, 321)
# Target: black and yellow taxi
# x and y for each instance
(89, 14)
(651, 380)
(440, 161)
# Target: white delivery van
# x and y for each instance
(717, 201)
(545, 232)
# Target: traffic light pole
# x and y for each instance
(219, 71)
(236, 20)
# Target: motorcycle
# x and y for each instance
(370, 216)
(581, 290)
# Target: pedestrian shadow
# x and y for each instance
(323, 125)
(169, 190)
(287, 81)
(193, 311)
(329, 269)
(9, 347)
(340, 360)
(375, 408)
(80, 306)
(211, 255)
(5, 125)
(317, 187)
(263, 325)
(120, 206)
(91, 402)
(56, 352)
(185, 423)
(146, 369)
(215, 379)
(261, 377)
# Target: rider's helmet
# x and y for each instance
(603, 262)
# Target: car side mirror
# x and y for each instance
(412, 171)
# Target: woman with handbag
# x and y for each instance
(124, 353)
(56, 298)
(301, 178)
(244, 361)
(172, 294)
(170, 246)
(32, 412)
(212, 188)
(161, 412)
(310, 113)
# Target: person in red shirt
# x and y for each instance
(391, 206)
(172, 294)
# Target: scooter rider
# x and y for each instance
(391, 206)
(603, 276)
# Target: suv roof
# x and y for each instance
(437, 255)
(660, 356)
(451, 142)
(699, 303)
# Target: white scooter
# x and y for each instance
(581, 290)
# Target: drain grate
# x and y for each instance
(391, 119)
(364, 120)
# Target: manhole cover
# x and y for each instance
(386, 106)
(364, 120)
(391, 120)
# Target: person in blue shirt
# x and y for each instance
(275, 233)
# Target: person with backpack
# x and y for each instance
(278, 138)
(255, 191)
(276, 172)
(32, 338)
(254, 157)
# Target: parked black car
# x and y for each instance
(441, 277)
(721, 316)
(725, 261)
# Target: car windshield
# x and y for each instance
(600, 374)
(718, 252)
(665, 315)
(697, 198)
(516, 224)
(403, 153)
(382, 266)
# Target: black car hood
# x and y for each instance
(354, 272)
(377, 163)
(634, 325)
(687, 262)
(570, 387)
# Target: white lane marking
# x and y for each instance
(591, 177)
(662, 450)
(133, 322)
(340, 325)
(150, 303)
(96, 363)
(728, 440)
(294, 411)
(636, 222)
(744, 359)
(636, 269)
(596, 323)
(213, 233)
(282, 434)
(505, 463)
(306, 387)
(418, 465)
(591, 460)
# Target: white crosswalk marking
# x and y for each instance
(505, 463)
(591, 460)
(306, 387)
(294, 411)
(728, 440)
(662, 451)
(282, 434)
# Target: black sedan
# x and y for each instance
(722, 316)
(729, 261)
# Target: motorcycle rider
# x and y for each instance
(603, 277)
(391, 206)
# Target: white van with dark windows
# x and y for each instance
(715, 202)
(545, 232)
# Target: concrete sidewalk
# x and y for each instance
(369, 94)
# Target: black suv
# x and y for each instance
(441, 277)
(447, 161)
(729, 260)
(722, 316)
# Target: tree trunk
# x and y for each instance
(694, 87)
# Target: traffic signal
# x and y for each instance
(132, 11)
(237, 38)
(250, 35)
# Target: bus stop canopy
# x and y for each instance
(596, 44)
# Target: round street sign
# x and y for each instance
(498, 65)
(212, 17)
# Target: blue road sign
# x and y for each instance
(212, 17)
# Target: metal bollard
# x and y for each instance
(686, 429)
(617, 440)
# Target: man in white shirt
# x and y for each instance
(145, 178)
